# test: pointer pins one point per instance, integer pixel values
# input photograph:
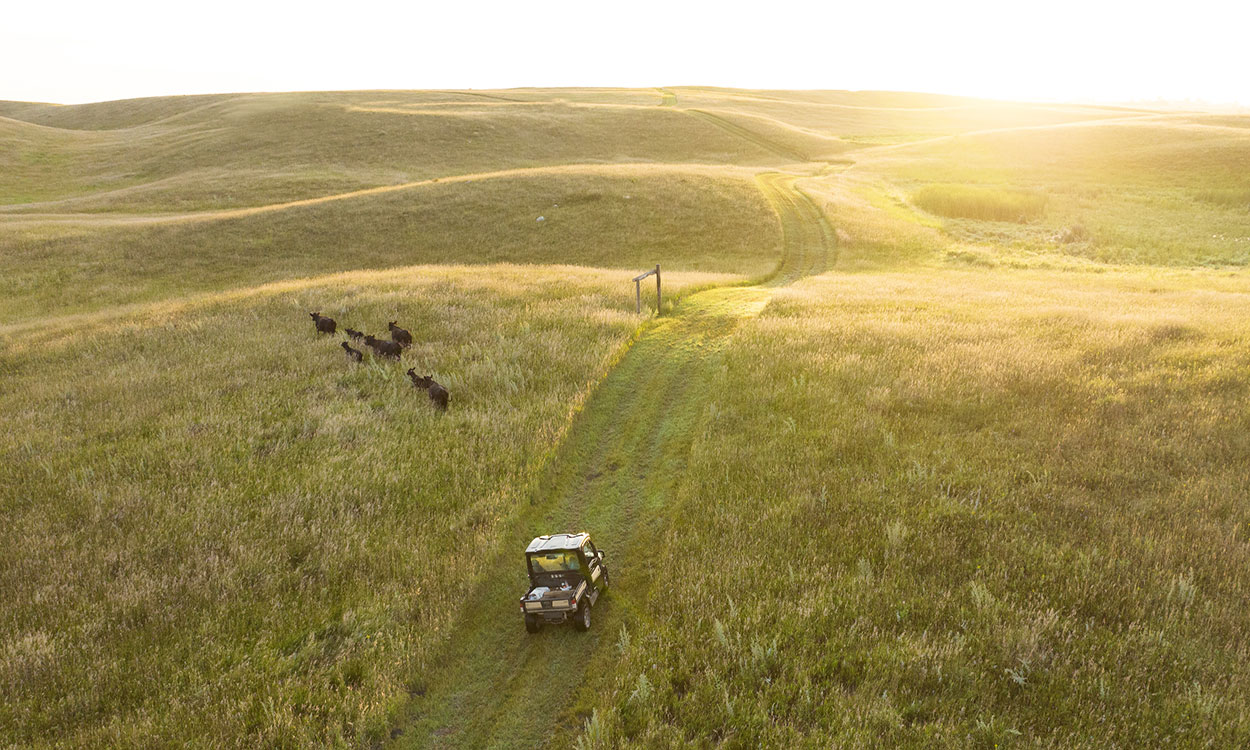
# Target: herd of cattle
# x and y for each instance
(393, 349)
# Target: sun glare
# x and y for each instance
(1065, 50)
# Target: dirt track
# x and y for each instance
(615, 472)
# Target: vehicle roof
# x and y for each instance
(556, 542)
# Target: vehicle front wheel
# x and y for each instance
(581, 620)
(532, 625)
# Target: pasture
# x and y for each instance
(234, 500)
(939, 441)
(946, 509)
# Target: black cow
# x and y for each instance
(399, 335)
(438, 394)
(384, 348)
(324, 324)
(354, 355)
(353, 334)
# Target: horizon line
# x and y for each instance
(1158, 101)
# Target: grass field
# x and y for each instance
(153, 155)
(1161, 191)
(952, 509)
(617, 217)
(234, 501)
(940, 441)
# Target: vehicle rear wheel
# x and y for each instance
(532, 625)
(581, 620)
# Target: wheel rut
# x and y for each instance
(771, 146)
(613, 474)
(808, 240)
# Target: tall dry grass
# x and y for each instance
(222, 534)
(977, 202)
(957, 509)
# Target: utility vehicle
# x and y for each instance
(567, 575)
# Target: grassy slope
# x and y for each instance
(870, 115)
(838, 385)
(787, 142)
(620, 217)
(1140, 191)
(289, 146)
(199, 153)
(960, 509)
(113, 115)
(231, 536)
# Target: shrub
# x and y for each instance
(984, 203)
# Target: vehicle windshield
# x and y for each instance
(554, 561)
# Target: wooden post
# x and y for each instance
(659, 305)
(659, 301)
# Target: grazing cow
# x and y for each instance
(353, 334)
(438, 394)
(384, 348)
(354, 355)
(399, 335)
(324, 324)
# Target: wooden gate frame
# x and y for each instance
(638, 289)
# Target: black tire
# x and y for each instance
(581, 620)
(532, 625)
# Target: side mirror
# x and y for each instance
(600, 554)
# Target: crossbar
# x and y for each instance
(659, 305)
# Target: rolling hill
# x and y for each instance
(939, 438)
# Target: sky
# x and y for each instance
(1060, 50)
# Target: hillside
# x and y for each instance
(939, 439)
(606, 216)
(289, 146)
